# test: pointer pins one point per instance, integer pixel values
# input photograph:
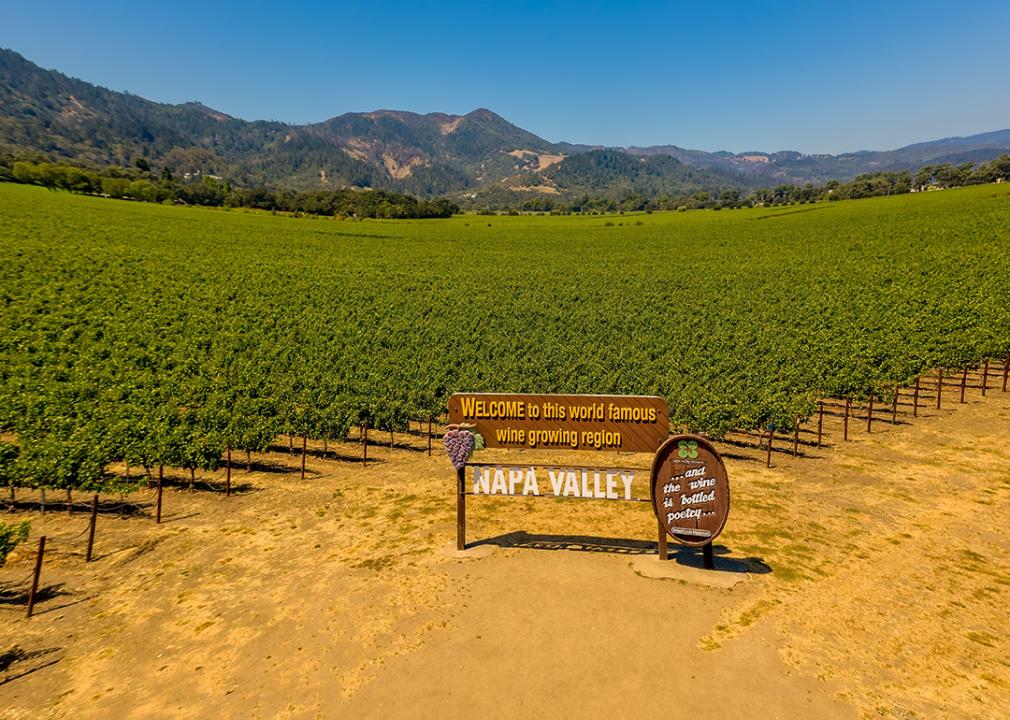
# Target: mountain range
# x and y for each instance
(478, 158)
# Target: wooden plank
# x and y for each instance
(623, 423)
(161, 477)
(35, 576)
(461, 509)
(91, 528)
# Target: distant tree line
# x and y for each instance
(141, 183)
(929, 177)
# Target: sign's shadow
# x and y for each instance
(680, 554)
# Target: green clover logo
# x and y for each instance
(687, 449)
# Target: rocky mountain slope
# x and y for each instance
(475, 156)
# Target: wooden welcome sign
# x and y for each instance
(689, 489)
(564, 422)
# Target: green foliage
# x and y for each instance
(929, 177)
(10, 467)
(155, 334)
(136, 184)
(11, 536)
(618, 174)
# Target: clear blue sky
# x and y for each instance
(810, 76)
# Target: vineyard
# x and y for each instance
(154, 335)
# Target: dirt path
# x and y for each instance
(333, 597)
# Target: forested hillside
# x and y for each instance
(479, 159)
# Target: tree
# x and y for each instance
(25, 172)
(923, 177)
(115, 187)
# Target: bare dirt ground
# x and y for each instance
(875, 582)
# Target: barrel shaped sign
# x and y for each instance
(690, 490)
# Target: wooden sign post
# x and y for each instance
(461, 508)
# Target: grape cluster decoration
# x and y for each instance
(459, 445)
